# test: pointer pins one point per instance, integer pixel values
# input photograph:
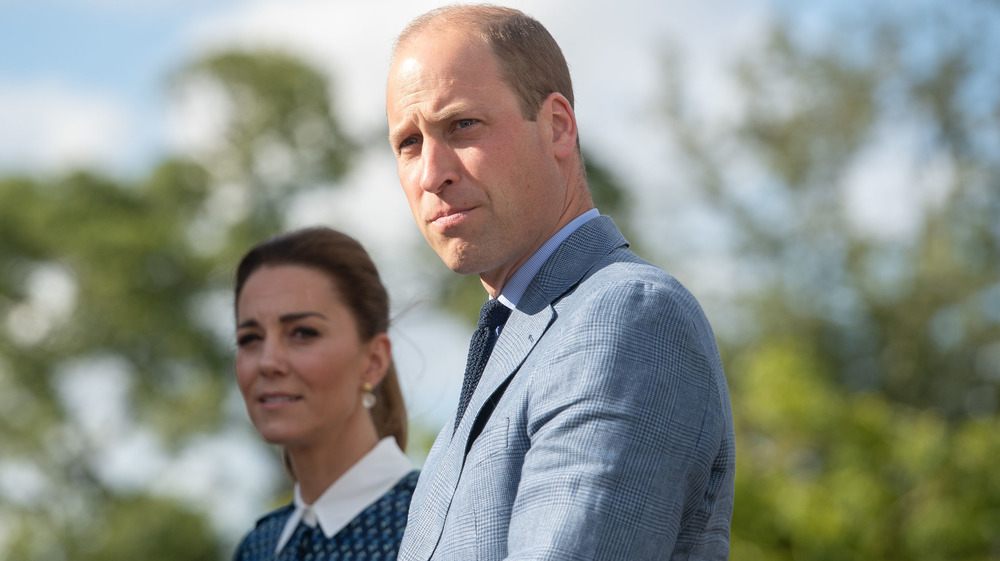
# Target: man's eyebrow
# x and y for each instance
(396, 135)
(448, 114)
(286, 318)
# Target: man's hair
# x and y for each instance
(530, 60)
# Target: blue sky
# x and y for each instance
(94, 45)
(115, 51)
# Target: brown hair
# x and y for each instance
(531, 62)
(354, 275)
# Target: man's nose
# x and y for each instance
(440, 166)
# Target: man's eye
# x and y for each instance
(463, 123)
(408, 141)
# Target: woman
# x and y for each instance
(314, 365)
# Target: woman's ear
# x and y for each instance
(379, 358)
(563, 122)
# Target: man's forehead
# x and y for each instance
(429, 69)
(440, 47)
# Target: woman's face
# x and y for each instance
(300, 363)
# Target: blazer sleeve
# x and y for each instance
(630, 433)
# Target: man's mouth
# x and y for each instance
(446, 219)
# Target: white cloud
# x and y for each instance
(54, 126)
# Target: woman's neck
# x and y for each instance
(317, 467)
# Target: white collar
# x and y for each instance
(361, 485)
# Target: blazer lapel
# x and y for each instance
(567, 266)
(564, 269)
(516, 340)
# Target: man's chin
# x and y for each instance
(456, 256)
(462, 267)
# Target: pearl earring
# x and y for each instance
(368, 399)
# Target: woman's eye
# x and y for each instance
(246, 339)
(304, 333)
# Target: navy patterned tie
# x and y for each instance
(491, 316)
(310, 541)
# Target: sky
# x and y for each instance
(84, 83)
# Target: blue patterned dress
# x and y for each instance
(373, 535)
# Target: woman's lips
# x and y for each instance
(277, 401)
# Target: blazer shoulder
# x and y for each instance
(635, 308)
(622, 274)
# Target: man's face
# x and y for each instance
(481, 180)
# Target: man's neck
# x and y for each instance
(520, 275)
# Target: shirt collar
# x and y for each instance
(361, 485)
(514, 288)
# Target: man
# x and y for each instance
(601, 426)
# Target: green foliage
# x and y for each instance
(147, 528)
(278, 103)
(280, 134)
(828, 474)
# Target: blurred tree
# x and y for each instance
(114, 299)
(860, 187)
(278, 135)
(825, 474)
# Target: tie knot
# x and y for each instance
(493, 314)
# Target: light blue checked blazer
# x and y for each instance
(606, 428)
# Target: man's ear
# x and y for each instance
(563, 119)
(379, 358)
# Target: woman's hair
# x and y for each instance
(355, 277)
